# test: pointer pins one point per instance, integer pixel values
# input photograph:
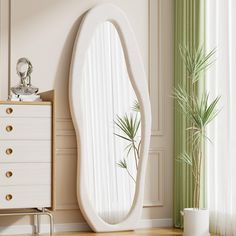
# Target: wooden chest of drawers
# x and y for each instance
(25, 155)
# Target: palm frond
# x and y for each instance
(196, 61)
(123, 137)
(138, 149)
(122, 164)
(197, 110)
(183, 98)
(129, 148)
(204, 111)
(136, 106)
(128, 125)
(186, 158)
(211, 111)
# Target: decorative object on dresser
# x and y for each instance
(26, 160)
(24, 91)
(106, 77)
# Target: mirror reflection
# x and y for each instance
(112, 128)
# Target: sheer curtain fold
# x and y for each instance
(221, 33)
(107, 92)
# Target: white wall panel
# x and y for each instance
(157, 88)
(154, 185)
(159, 179)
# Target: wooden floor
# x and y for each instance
(146, 232)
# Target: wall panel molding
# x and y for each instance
(66, 151)
(64, 127)
(5, 32)
(67, 206)
(154, 193)
(66, 166)
(156, 79)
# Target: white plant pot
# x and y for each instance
(196, 222)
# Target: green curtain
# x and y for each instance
(190, 32)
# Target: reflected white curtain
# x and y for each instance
(106, 93)
(221, 80)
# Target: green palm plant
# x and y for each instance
(123, 164)
(129, 125)
(198, 110)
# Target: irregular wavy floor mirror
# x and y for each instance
(110, 109)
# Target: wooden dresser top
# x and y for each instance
(25, 103)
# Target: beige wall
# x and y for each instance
(44, 32)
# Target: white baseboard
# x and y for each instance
(155, 223)
(77, 227)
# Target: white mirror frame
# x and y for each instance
(137, 75)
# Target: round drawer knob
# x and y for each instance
(9, 174)
(8, 197)
(9, 110)
(9, 128)
(9, 151)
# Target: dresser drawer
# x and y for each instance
(25, 196)
(25, 174)
(8, 110)
(25, 128)
(25, 151)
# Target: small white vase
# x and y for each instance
(196, 222)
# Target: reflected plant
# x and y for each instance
(123, 164)
(129, 125)
(136, 106)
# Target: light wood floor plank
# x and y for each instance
(145, 232)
